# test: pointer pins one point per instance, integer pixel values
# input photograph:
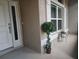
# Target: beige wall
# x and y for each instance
(66, 15)
(73, 16)
(42, 16)
(31, 27)
(70, 50)
(33, 14)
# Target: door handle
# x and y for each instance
(9, 28)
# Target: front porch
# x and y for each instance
(20, 25)
(60, 50)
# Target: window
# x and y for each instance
(54, 22)
(59, 18)
(56, 16)
(59, 24)
(53, 11)
(14, 22)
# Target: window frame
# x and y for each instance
(49, 14)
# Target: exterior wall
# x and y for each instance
(42, 13)
(65, 2)
(73, 16)
(33, 14)
(43, 18)
(31, 28)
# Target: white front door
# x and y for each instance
(5, 26)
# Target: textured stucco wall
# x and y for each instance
(31, 27)
(42, 16)
(72, 24)
(42, 13)
(33, 14)
(73, 16)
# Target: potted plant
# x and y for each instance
(48, 27)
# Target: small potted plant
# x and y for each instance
(48, 27)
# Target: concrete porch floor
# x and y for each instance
(60, 50)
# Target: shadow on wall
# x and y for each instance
(73, 16)
(72, 2)
(75, 50)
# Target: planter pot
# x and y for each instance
(48, 48)
(48, 51)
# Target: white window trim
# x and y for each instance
(59, 5)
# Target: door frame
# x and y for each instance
(19, 42)
(5, 27)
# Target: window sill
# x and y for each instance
(56, 32)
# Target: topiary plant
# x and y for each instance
(48, 27)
